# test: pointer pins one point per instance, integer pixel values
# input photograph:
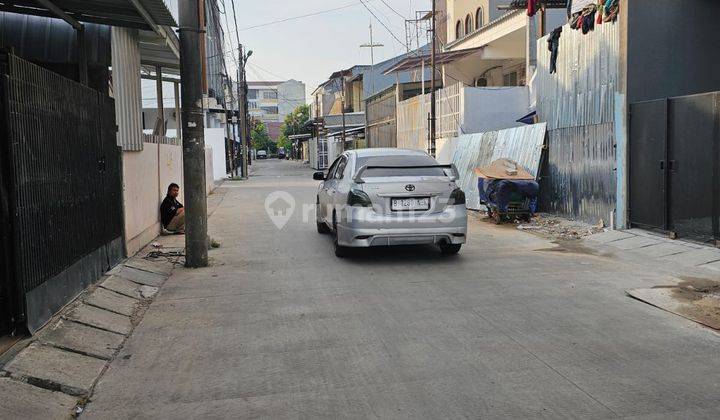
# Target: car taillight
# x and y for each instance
(358, 198)
(456, 197)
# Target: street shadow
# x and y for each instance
(416, 254)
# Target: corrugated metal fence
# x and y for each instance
(578, 105)
(63, 182)
(412, 123)
(412, 117)
(381, 124)
(524, 145)
(449, 110)
(127, 88)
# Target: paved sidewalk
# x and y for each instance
(58, 370)
(681, 254)
(513, 327)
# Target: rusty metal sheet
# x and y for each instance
(521, 144)
(579, 178)
(582, 91)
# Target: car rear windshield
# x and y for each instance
(404, 166)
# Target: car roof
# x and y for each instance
(386, 151)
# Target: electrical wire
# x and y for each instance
(320, 12)
(383, 24)
(391, 8)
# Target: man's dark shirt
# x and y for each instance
(168, 209)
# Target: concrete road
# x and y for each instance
(513, 327)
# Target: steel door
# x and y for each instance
(9, 299)
(692, 166)
(648, 164)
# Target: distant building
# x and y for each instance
(359, 82)
(271, 102)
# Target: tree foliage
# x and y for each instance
(294, 124)
(260, 138)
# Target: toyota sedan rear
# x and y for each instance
(381, 197)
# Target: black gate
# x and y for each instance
(62, 177)
(648, 157)
(675, 164)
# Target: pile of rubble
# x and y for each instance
(557, 228)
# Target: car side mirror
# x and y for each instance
(319, 176)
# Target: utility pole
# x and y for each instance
(342, 105)
(242, 113)
(432, 83)
(230, 141)
(193, 133)
(236, 152)
(372, 46)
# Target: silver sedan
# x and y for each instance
(379, 197)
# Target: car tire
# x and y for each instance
(340, 251)
(322, 228)
(450, 249)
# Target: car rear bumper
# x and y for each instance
(362, 227)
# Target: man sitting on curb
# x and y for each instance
(172, 213)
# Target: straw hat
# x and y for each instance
(504, 169)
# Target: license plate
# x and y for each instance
(400, 204)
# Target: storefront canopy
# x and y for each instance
(141, 14)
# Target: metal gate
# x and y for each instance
(63, 191)
(675, 166)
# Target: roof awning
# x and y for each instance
(160, 49)
(141, 14)
(446, 57)
(358, 76)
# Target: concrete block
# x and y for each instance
(714, 266)
(663, 249)
(112, 301)
(60, 370)
(140, 276)
(148, 292)
(696, 257)
(159, 267)
(641, 232)
(122, 286)
(610, 236)
(83, 339)
(100, 318)
(634, 242)
(24, 401)
(702, 310)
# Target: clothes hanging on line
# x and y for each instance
(532, 7)
(588, 18)
(554, 45)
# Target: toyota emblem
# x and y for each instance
(410, 187)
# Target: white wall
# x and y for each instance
(445, 150)
(490, 109)
(146, 176)
(215, 139)
(215, 163)
(291, 94)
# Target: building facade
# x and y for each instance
(271, 102)
(498, 45)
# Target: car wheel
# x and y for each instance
(340, 251)
(450, 249)
(322, 228)
(498, 217)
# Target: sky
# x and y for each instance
(311, 48)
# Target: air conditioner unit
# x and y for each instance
(481, 82)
